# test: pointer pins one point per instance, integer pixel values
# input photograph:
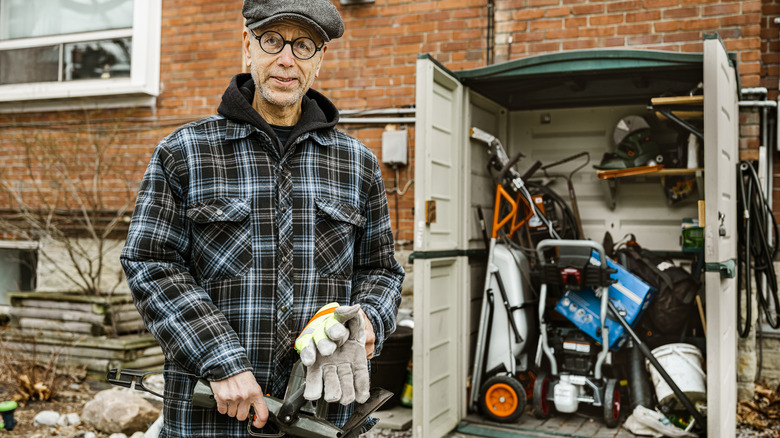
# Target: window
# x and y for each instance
(18, 262)
(78, 49)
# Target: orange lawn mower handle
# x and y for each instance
(500, 222)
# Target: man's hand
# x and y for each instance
(236, 394)
(370, 336)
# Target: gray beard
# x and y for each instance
(266, 96)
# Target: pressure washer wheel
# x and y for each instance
(611, 403)
(502, 399)
(542, 406)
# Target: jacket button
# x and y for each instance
(219, 212)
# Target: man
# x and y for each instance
(249, 221)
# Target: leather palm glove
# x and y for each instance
(322, 333)
(343, 375)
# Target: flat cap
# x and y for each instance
(320, 14)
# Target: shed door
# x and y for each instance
(720, 160)
(439, 269)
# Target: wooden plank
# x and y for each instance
(588, 429)
(623, 433)
(74, 297)
(554, 424)
(127, 315)
(124, 342)
(685, 115)
(71, 351)
(605, 432)
(144, 362)
(151, 351)
(678, 100)
(529, 421)
(131, 326)
(49, 304)
(124, 308)
(92, 364)
(56, 314)
(72, 326)
(45, 336)
(573, 424)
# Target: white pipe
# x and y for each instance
(385, 120)
(754, 90)
(758, 103)
(378, 111)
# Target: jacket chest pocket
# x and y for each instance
(221, 238)
(335, 227)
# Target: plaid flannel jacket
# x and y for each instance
(202, 255)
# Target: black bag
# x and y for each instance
(675, 287)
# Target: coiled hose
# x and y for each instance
(754, 252)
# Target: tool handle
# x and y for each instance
(203, 396)
(508, 165)
(531, 170)
(667, 378)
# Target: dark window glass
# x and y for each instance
(97, 59)
(35, 64)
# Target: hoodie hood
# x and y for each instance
(317, 111)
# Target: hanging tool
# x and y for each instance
(294, 415)
(570, 184)
(500, 161)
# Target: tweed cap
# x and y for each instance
(320, 14)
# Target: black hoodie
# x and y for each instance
(317, 111)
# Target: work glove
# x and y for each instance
(343, 375)
(322, 333)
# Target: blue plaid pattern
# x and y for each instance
(233, 247)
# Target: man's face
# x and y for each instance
(282, 79)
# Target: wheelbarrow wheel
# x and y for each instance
(502, 399)
(542, 406)
(611, 403)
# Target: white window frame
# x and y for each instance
(140, 89)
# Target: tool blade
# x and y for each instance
(377, 397)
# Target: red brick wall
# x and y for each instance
(373, 65)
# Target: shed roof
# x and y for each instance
(586, 78)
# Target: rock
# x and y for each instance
(119, 412)
(137, 435)
(46, 418)
(117, 435)
(72, 419)
(90, 435)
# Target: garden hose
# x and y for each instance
(754, 252)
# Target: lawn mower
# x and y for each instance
(579, 348)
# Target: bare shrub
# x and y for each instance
(73, 185)
(28, 374)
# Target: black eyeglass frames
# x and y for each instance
(273, 42)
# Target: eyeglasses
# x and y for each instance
(273, 42)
